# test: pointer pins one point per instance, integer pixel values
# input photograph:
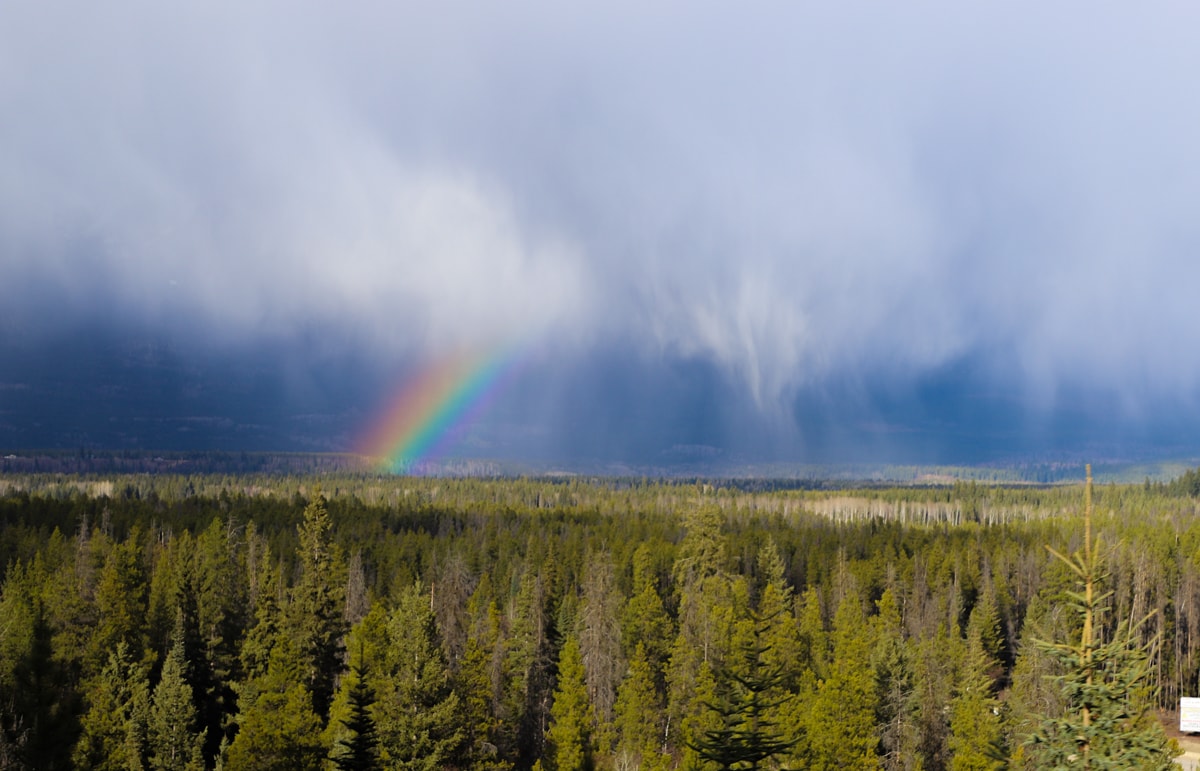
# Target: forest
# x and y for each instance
(353, 620)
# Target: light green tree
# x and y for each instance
(841, 733)
(895, 682)
(975, 731)
(417, 713)
(278, 730)
(174, 746)
(572, 718)
(639, 717)
(1106, 683)
(115, 727)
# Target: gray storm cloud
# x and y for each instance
(791, 192)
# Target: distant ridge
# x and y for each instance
(761, 474)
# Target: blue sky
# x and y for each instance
(785, 231)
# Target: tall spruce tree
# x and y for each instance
(417, 713)
(174, 746)
(278, 730)
(316, 611)
(975, 730)
(572, 719)
(750, 691)
(358, 749)
(842, 727)
(1109, 723)
(115, 726)
(895, 682)
(639, 717)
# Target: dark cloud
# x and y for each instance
(804, 227)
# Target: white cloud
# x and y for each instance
(791, 191)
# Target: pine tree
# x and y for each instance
(1034, 695)
(706, 619)
(316, 611)
(750, 690)
(528, 666)
(358, 750)
(639, 717)
(173, 744)
(842, 729)
(1106, 683)
(569, 737)
(645, 621)
(121, 600)
(417, 713)
(115, 727)
(975, 736)
(278, 730)
(38, 702)
(896, 712)
(222, 615)
(474, 682)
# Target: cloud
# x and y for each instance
(797, 195)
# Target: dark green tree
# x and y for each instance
(358, 750)
(750, 691)
(316, 611)
(38, 702)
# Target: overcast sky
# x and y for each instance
(806, 220)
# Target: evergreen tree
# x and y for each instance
(116, 725)
(639, 717)
(569, 739)
(975, 736)
(358, 750)
(173, 744)
(599, 632)
(525, 707)
(706, 617)
(222, 614)
(842, 728)
(38, 701)
(896, 713)
(417, 713)
(277, 728)
(749, 692)
(645, 621)
(698, 721)
(121, 602)
(477, 687)
(316, 611)
(1109, 723)
(1034, 696)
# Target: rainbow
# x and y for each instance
(434, 409)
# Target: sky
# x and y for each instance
(933, 231)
